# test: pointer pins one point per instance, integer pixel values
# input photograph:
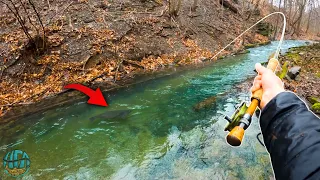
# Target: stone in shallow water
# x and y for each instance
(207, 103)
(294, 72)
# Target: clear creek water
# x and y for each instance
(149, 131)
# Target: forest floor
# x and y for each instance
(92, 42)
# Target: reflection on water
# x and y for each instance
(148, 130)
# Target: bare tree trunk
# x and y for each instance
(302, 7)
(290, 9)
(309, 17)
(296, 23)
(276, 30)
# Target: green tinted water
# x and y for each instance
(161, 137)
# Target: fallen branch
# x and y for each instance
(229, 4)
(133, 63)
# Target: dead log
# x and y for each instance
(230, 5)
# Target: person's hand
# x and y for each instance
(269, 82)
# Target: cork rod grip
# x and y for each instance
(272, 65)
(236, 135)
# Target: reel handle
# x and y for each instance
(235, 136)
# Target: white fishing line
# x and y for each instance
(280, 41)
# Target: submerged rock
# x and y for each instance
(207, 103)
(294, 72)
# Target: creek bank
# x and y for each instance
(70, 96)
(304, 70)
(300, 74)
(93, 42)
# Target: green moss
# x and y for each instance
(245, 51)
(264, 29)
(316, 107)
(247, 46)
(250, 46)
(264, 33)
(313, 100)
(294, 56)
(284, 71)
(318, 74)
(264, 43)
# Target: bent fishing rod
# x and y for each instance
(241, 119)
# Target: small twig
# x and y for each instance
(172, 19)
(18, 17)
(40, 21)
(116, 74)
(60, 12)
(38, 16)
(25, 10)
(70, 24)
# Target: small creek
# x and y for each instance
(150, 130)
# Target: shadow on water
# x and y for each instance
(150, 129)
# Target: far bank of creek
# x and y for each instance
(149, 130)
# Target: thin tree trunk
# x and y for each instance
(300, 17)
(289, 15)
(276, 30)
(309, 17)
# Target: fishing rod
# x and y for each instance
(241, 119)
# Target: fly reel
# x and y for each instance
(236, 117)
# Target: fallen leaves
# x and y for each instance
(55, 40)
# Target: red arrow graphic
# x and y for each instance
(96, 96)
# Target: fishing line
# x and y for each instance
(280, 41)
(235, 135)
